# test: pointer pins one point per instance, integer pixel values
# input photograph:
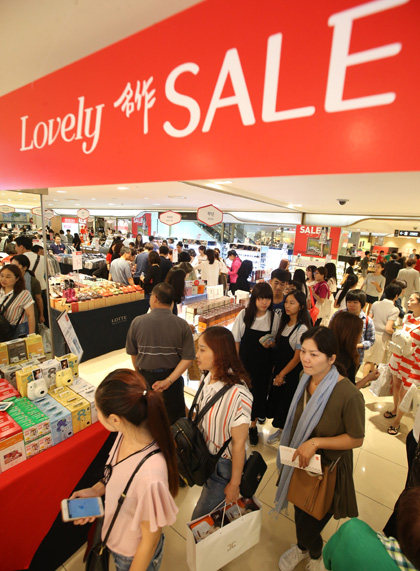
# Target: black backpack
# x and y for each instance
(195, 462)
(6, 330)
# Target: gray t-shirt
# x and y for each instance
(371, 289)
(120, 271)
(160, 340)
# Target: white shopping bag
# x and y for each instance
(217, 549)
(382, 386)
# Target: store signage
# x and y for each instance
(77, 260)
(407, 233)
(208, 115)
(83, 213)
(209, 215)
(37, 211)
(317, 241)
(6, 209)
(170, 218)
(49, 214)
(69, 220)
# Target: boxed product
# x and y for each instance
(16, 350)
(69, 360)
(76, 404)
(49, 370)
(35, 414)
(45, 442)
(7, 390)
(4, 355)
(34, 346)
(25, 376)
(29, 429)
(59, 418)
(87, 391)
(12, 450)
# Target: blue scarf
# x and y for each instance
(305, 427)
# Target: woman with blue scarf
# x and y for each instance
(331, 424)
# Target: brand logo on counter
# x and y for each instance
(120, 319)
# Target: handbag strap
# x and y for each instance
(36, 263)
(124, 494)
(7, 303)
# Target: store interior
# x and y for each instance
(369, 210)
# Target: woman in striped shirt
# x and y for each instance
(229, 417)
(20, 313)
(405, 370)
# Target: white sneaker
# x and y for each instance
(275, 437)
(291, 558)
(316, 565)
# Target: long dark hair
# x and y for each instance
(245, 269)
(349, 283)
(331, 271)
(176, 277)
(312, 270)
(124, 392)
(302, 316)
(326, 342)
(20, 282)
(347, 329)
(300, 276)
(261, 290)
(210, 256)
(228, 367)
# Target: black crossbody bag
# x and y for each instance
(98, 556)
(6, 329)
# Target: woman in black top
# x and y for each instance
(176, 277)
(77, 242)
(244, 272)
(116, 251)
(153, 274)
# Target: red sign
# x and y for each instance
(323, 87)
(69, 220)
(317, 241)
(170, 218)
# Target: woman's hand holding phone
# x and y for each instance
(85, 493)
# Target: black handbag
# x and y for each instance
(98, 556)
(7, 330)
(254, 470)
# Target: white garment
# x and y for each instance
(260, 324)
(412, 277)
(382, 312)
(39, 272)
(294, 340)
(210, 272)
(343, 301)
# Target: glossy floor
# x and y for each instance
(380, 470)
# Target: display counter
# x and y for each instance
(30, 497)
(68, 268)
(100, 331)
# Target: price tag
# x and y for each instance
(77, 261)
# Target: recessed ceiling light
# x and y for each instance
(156, 204)
(93, 198)
(179, 197)
(111, 204)
(123, 187)
(294, 205)
(62, 191)
(146, 198)
(223, 182)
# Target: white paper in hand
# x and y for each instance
(286, 455)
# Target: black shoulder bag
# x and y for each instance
(195, 462)
(6, 329)
(98, 556)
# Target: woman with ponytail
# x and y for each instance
(138, 415)
(340, 298)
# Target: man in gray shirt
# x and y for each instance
(142, 261)
(161, 346)
(120, 269)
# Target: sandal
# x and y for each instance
(393, 430)
(389, 414)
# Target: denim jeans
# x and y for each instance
(21, 329)
(214, 489)
(123, 563)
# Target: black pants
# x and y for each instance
(308, 532)
(173, 396)
(390, 528)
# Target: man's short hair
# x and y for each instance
(400, 282)
(357, 295)
(125, 250)
(37, 248)
(164, 292)
(151, 238)
(164, 250)
(394, 256)
(184, 257)
(281, 275)
(410, 262)
(392, 290)
(148, 246)
(24, 241)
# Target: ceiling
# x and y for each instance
(40, 37)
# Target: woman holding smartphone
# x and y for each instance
(228, 417)
(251, 325)
(126, 406)
(327, 415)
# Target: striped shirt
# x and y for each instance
(408, 368)
(233, 409)
(22, 301)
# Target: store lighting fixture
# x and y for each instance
(294, 205)
(223, 182)
(146, 198)
(156, 204)
(62, 191)
(123, 187)
(111, 204)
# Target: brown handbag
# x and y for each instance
(313, 493)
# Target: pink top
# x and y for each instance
(148, 498)
(322, 290)
(233, 272)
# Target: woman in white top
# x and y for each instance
(210, 269)
(126, 406)
(251, 325)
(228, 417)
(19, 312)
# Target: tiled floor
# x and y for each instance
(380, 471)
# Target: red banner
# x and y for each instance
(225, 89)
(317, 241)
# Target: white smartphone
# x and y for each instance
(81, 507)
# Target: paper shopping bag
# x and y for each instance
(210, 546)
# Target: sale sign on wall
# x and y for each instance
(323, 87)
(317, 241)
